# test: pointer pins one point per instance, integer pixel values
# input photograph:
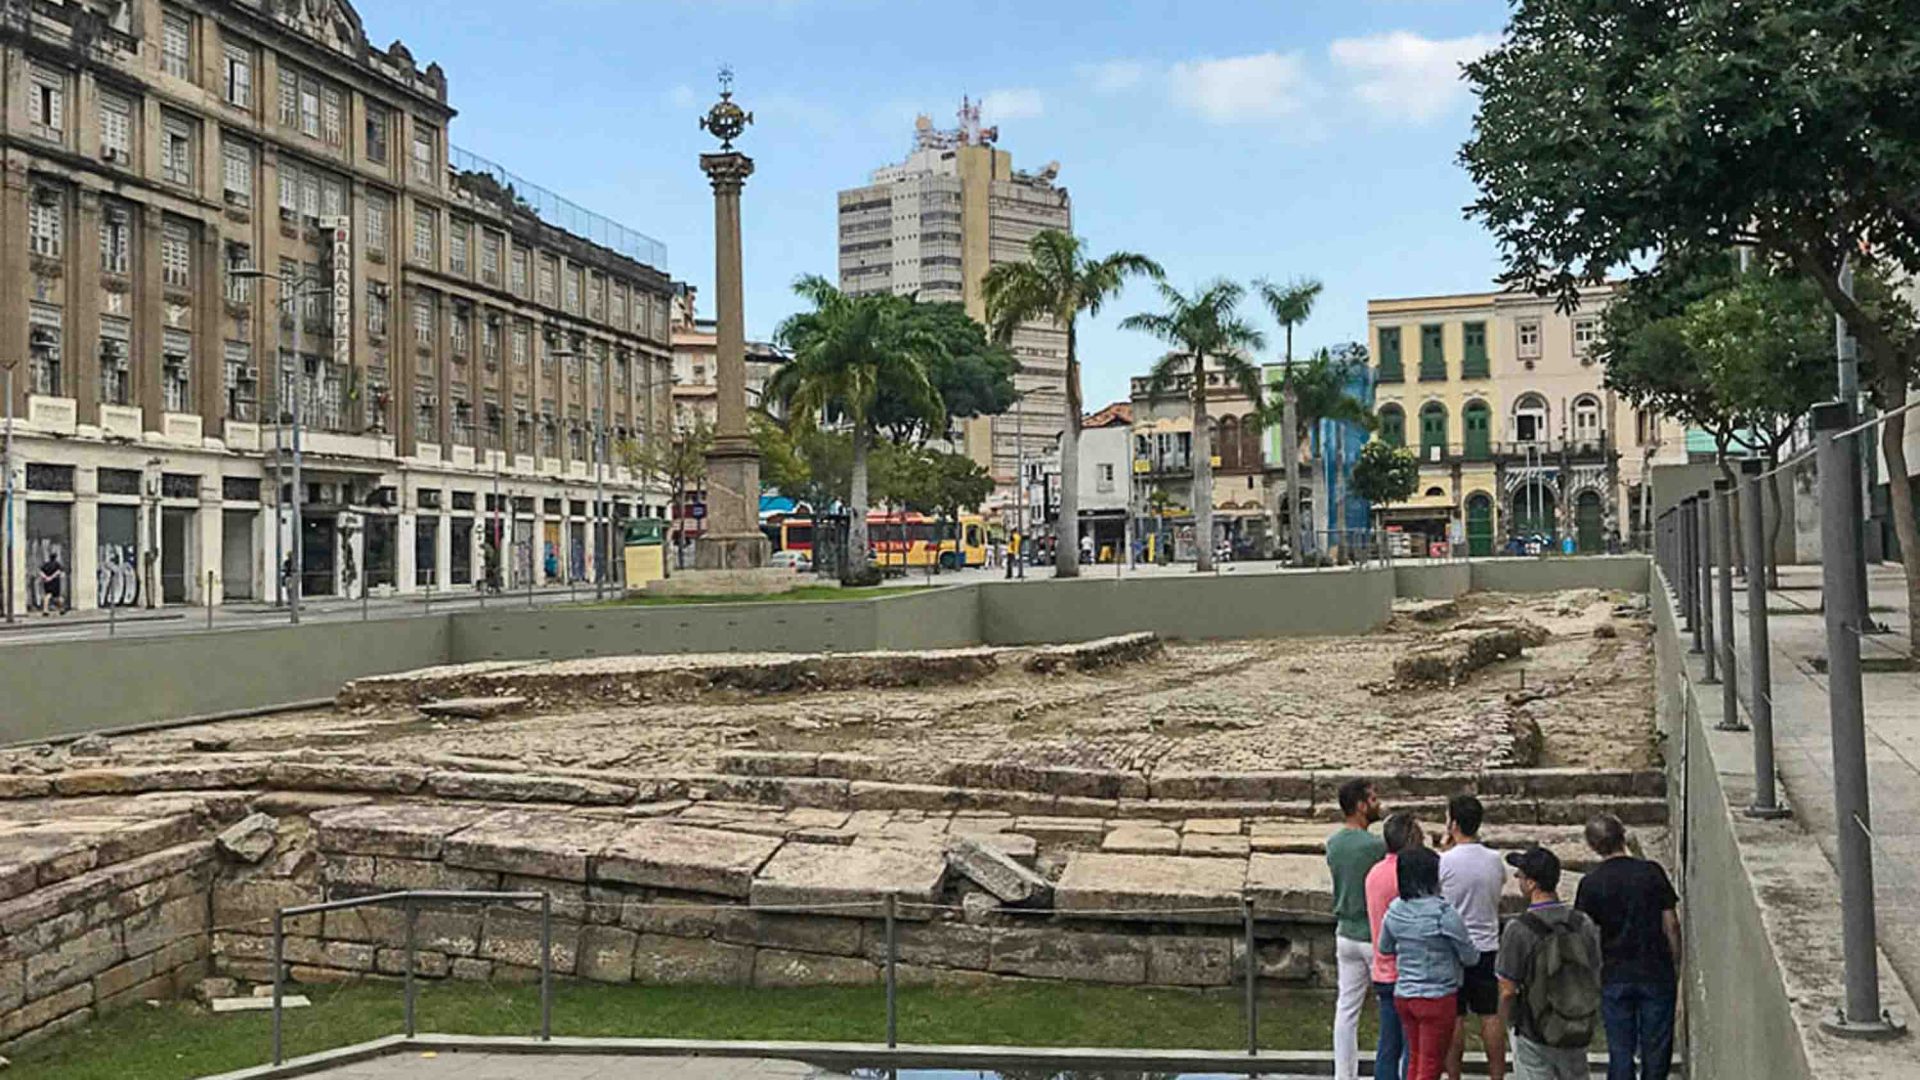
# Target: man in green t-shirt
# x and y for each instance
(1351, 852)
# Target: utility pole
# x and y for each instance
(6, 458)
(601, 518)
(290, 291)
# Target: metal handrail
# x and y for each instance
(411, 899)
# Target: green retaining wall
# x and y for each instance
(1432, 581)
(1196, 607)
(1627, 573)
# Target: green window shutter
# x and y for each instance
(1433, 432)
(1478, 420)
(1433, 357)
(1390, 370)
(1393, 427)
(1473, 358)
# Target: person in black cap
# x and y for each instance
(1549, 969)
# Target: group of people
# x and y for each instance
(1422, 927)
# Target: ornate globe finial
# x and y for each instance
(726, 120)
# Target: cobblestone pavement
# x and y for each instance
(1248, 705)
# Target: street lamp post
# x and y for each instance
(289, 292)
(6, 461)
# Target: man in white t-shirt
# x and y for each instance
(1472, 876)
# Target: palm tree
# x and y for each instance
(1316, 390)
(1059, 282)
(1291, 304)
(847, 352)
(1202, 328)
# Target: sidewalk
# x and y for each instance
(1803, 742)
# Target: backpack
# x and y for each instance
(1562, 991)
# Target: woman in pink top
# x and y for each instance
(1383, 884)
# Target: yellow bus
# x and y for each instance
(903, 539)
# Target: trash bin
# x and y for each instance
(645, 552)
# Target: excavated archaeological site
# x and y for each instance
(1089, 812)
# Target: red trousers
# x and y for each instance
(1428, 1023)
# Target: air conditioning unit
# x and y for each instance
(250, 373)
(114, 156)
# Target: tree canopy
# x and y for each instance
(1384, 475)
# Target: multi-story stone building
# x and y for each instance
(1501, 396)
(1245, 487)
(932, 226)
(455, 337)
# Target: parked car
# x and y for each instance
(793, 560)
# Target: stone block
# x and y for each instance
(408, 831)
(454, 930)
(130, 779)
(13, 786)
(913, 975)
(1212, 827)
(519, 787)
(776, 967)
(351, 870)
(340, 955)
(879, 795)
(1249, 786)
(606, 954)
(1142, 840)
(850, 767)
(426, 964)
(13, 985)
(997, 872)
(42, 1011)
(1214, 846)
(660, 960)
(329, 776)
(530, 843)
(941, 943)
(1276, 960)
(852, 879)
(137, 838)
(1635, 812)
(513, 937)
(815, 817)
(768, 763)
(1288, 838)
(248, 840)
(800, 933)
(1019, 847)
(163, 924)
(1054, 953)
(1155, 887)
(320, 976)
(394, 874)
(473, 708)
(567, 899)
(73, 961)
(470, 969)
(685, 859)
(1066, 832)
(1289, 885)
(252, 903)
(670, 917)
(302, 803)
(1189, 961)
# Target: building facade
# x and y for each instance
(465, 350)
(1245, 487)
(932, 226)
(1501, 396)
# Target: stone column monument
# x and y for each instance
(732, 539)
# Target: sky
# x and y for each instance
(1275, 139)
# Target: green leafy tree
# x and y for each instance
(1290, 305)
(1608, 130)
(679, 461)
(1384, 475)
(972, 374)
(810, 467)
(1204, 328)
(846, 352)
(1060, 282)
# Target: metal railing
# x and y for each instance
(555, 210)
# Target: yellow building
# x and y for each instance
(1502, 397)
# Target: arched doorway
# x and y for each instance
(1479, 524)
(1589, 522)
(1533, 512)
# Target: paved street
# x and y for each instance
(1804, 740)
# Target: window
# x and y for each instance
(1390, 369)
(378, 124)
(116, 127)
(522, 432)
(1527, 333)
(310, 193)
(423, 319)
(520, 334)
(547, 272)
(1586, 420)
(490, 243)
(596, 297)
(1530, 418)
(116, 351)
(176, 44)
(457, 246)
(490, 339)
(45, 344)
(1393, 425)
(332, 109)
(316, 305)
(241, 381)
(424, 156)
(237, 75)
(520, 271)
(333, 197)
(309, 107)
(1473, 357)
(462, 332)
(423, 244)
(427, 411)
(377, 210)
(617, 304)
(239, 256)
(573, 290)
(1433, 357)
(1104, 477)
(176, 365)
(1585, 333)
(176, 148)
(116, 237)
(462, 422)
(47, 104)
(289, 97)
(176, 261)
(46, 222)
(377, 308)
(237, 172)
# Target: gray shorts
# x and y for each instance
(1537, 1061)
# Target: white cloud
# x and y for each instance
(1114, 76)
(1403, 76)
(682, 97)
(1017, 103)
(1242, 89)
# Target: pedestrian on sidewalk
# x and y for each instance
(1635, 907)
(1400, 832)
(1549, 967)
(1351, 853)
(1471, 879)
(1429, 941)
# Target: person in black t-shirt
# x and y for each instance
(1635, 907)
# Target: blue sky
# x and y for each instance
(1278, 138)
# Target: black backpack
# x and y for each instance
(1562, 991)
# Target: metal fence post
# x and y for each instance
(1840, 556)
(1703, 589)
(1252, 978)
(1723, 554)
(113, 619)
(1689, 572)
(411, 911)
(279, 974)
(893, 957)
(546, 967)
(1766, 803)
(209, 599)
